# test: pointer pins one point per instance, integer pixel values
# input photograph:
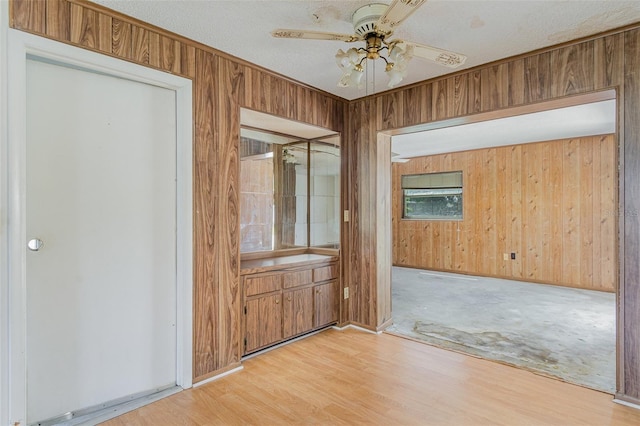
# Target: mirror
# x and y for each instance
(289, 186)
(325, 193)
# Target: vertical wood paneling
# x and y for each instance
(607, 218)
(517, 211)
(532, 229)
(586, 212)
(474, 95)
(390, 110)
(494, 85)
(58, 20)
(516, 83)
(609, 61)
(29, 15)
(363, 272)
(535, 200)
(105, 41)
(91, 29)
(630, 385)
(279, 98)
(84, 26)
(537, 86)
(574, 67)
(556, 186)
(140, 44)
(121, 44)
(571, 208)
(155, 55)
(547, 202)
(459, 85)
(230, 78)
(439, 100)
(164, 53)
(188, 60)
(412, 102)
(205, 191)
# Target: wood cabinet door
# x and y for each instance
(263, 321)
(325, 302)
(297, 311)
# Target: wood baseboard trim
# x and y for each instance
(234, 368)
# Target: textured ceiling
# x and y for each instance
(484, 30)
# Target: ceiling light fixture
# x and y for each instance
(353, 61)
(373, 24)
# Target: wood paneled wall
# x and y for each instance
(553, 204)
(597, 63)
(222, 84)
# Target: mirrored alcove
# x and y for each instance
(289, 185)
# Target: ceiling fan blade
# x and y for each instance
(397, 12)
(440, 56)
(315, 35)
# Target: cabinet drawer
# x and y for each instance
(263, 284)
(325, 273)
(293, 279)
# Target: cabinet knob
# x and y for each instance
(289, 299)
(277, 301)
(318, 291)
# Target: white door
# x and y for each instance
(101, 196)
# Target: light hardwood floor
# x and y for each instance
(352, 377)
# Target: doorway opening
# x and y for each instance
(539, 195)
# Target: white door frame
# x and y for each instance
(13, 187)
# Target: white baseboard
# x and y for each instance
(356, 327)
(219, 376)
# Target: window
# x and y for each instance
(432, 196)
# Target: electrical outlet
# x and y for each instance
(513, 256)
(346, 292)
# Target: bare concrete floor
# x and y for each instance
(561, 332)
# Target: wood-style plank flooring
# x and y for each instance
(352, 377)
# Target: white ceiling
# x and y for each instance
(597, 118)
(484, 30)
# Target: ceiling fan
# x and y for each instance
(374, 24)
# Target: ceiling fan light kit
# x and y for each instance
(373, 24)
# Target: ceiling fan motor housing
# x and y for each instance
(365, 18)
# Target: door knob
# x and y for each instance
(35, 244)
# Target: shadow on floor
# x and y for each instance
(557, 331)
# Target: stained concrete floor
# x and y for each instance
(558, 331)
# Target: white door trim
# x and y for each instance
(13, 185)
(5, 394)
